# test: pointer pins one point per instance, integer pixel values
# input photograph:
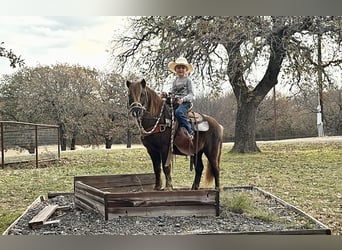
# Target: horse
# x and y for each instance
(155, 120)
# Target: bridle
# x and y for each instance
(139, 120)
(138, 110)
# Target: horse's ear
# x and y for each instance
(128, 83)
(143, 83)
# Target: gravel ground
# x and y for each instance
(76, 222)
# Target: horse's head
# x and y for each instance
(137, 97)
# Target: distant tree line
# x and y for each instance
(287, 117)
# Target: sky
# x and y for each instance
(48, 40)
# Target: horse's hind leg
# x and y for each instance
(214, 165)
(198, 170)
(216, 173)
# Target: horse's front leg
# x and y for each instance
(167, 166)
(168, 178)
(156, 160)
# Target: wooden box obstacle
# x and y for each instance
(96, 202)
(133, 195)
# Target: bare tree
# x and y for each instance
(108, 119)
(60, 94)
(315, 59)
(223, 108)
(334, 112)
(13, 58)
(222, 49)
(88, 105)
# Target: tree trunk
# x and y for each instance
(248, 100)
(73, 143)
(108, 142)
(245, 128)
(129, 139)
(73, 140)
(63, 140)
(63, 144)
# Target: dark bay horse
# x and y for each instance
(154, 119)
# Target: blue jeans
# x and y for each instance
(180, 114)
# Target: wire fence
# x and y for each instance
(28, 142)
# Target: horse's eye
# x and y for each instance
(142, 96)
(130, 100)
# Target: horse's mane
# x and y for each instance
(155, 102)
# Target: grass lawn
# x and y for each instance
(307, 175)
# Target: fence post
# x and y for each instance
(59, 144)
(36, 141)
(2, 146)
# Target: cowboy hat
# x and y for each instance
(180, 61)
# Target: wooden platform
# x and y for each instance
(133, 195)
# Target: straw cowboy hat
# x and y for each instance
(180, 61)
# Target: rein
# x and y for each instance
(139, 119)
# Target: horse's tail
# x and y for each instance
(209, 175)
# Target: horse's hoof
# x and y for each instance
(157, 188)
(169, 188)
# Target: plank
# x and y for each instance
(39, 220)
(123, 180)
(196, 196)
(33, 204)
(84, 201)
(82, 187)
(161, 211)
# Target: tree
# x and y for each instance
(333, 114)
(293, 118)
(88, 105)
(223, 108)
(316, 58)
(223, 49)
(13, 58)
(59, 94)
(108, 119)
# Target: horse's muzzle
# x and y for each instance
(137, 110)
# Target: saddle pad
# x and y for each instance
(201, 126)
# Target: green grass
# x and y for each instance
(238, 203)
(246, 203)
(307, 175)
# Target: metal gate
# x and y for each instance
(28, 142)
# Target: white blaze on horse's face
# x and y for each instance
(137, 97)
